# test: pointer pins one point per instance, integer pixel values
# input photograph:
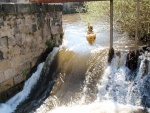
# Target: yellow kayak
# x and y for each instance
(91, 38)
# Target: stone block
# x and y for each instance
(13, 0)
(23, 8)
(58, 7)
(11, 72)
(55, 30)
(34, 28)
(17, 50)
(6, 85)
(4, 41)
(5, 53)
(24, 66)
(9, 8)
(14, 51)
(37, 35)
(34, 19)
(53, 7)
(1, 55)
(15, 61)
(18, 21)
(6, 31)
(35, 8)
(4, 65)
(18, 38)
(11, 52)
(34, 61)
(15, 30)
(28, 20)
(50, 8)
(1, 22)
(2, 77)
(11, 41)
(19, 78)
(44, 7)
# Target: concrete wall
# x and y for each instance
(24, 29)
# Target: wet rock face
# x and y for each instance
(132, 60)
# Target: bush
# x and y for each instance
(50, 43)
(124, 14)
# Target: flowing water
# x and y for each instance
(76, 77)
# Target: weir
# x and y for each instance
(76, 77)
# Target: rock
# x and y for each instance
(18, 39)
(1, 21)
(24, 66)
(132, 60)
(110, 54)
(15, 61)
(11, 72)
(11, 41)
(7, 84)
(55, 30)
(4, 41)
(2, 76)
(34, 28)
(19, 78)
(8, 8)
(23, 8)
(1, 56)
(4, 65)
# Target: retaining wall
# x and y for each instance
(24, 29)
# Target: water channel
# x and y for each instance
(77, 78)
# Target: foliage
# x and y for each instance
(50, 43)
(124, 14)
(26, 72)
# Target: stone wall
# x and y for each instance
(24, 29)
(71, 7)
(22, 1)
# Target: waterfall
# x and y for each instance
(11, 105)
(76, 78)
(120, 90)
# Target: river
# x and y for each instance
(77, 78)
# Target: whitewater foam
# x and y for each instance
(11, 104)
(114, 91)
(99, 107)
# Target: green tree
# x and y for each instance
(124, 14)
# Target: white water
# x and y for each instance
(11, 105)
(115, 92)
(97, 107)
